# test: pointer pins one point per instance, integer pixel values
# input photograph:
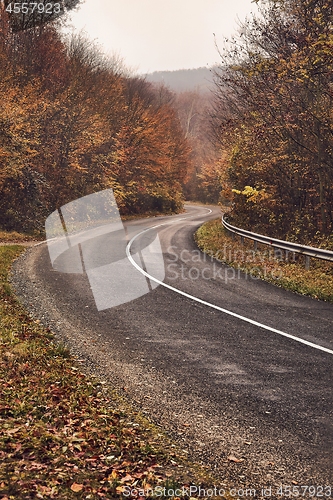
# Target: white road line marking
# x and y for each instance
(213, 306)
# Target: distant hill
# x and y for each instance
(184, 79)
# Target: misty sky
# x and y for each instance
(155, 35)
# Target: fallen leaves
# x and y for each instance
(13, 431)
(60, 438)
(58, 433)
(128, 478)
(77, 487)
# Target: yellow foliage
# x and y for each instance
(253, 195)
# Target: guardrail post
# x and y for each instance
(255, 245)
(278, 253)
(242, 240)
(307, 262)
(293, 256)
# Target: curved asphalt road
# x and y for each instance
(220, 385)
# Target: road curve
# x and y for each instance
(218, 382)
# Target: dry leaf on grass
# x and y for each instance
(13, 431)
(126, 479)
(232, 458)
(76, 487)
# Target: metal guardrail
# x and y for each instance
(288, 246)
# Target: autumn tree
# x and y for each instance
(273, 115)
(150, 154)
(72, 122)
(202, 182)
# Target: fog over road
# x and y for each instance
(240, 389)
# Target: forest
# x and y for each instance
(273, 120)
(73, 122)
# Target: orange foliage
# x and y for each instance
(71, 124)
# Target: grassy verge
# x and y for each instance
(60, 435)
(316, 282)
